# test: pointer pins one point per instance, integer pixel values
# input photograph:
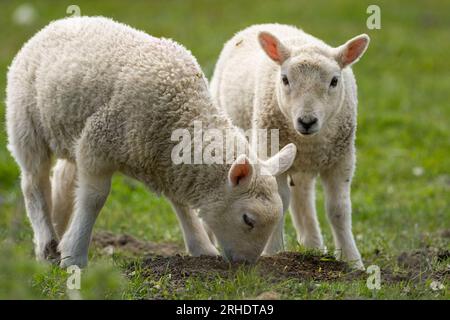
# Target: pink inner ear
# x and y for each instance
(270, 46)
(354, 51)
(238, 172)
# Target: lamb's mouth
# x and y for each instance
(309, 133)
(233, 258)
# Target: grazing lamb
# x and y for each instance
(103, 97)
(277, 76)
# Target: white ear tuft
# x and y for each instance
(240, 172)
(352, 50)
(282, 161)
(273, 47)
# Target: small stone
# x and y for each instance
(268, 295)
(108, 250)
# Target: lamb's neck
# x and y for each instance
(204, 182)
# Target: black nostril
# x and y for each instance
(307, 123)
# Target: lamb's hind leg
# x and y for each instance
(33, 157)
(63, 194)
(37, 195)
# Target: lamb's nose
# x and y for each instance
(307, 122)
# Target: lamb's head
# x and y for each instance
(244, 219)
(310, 85)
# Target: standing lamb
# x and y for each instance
(306, 90)
(103, 97)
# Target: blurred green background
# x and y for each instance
(401, 198)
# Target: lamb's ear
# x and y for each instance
(282, 161)
(352, 50)
(273, 47)
(241, 171)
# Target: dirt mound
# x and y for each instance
(129, 244)
(166, 258)
(286, 265)
(419, 263)
(420, 259)
(160, 259)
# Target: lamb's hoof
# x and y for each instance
(69, 261)
(273, 248)
(48, 252)
(357, 265)
(272, 251)
(51, 252)
(209, 251)
(353, 260)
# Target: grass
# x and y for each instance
(401, 189)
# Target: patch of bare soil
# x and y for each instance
(129, 244)
(445, 233)
(420, 264)
(286, 265)
(164, 258)
(160, 259)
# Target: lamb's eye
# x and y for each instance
(285, 80)
(334, 82)
(248, 221)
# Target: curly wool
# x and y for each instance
(244, 85)
(119, 91)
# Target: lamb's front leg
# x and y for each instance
(303, 210)
(91, 194)
(195, 236)
(336, 182)
(276, 240)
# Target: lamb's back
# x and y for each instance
(77, 67)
